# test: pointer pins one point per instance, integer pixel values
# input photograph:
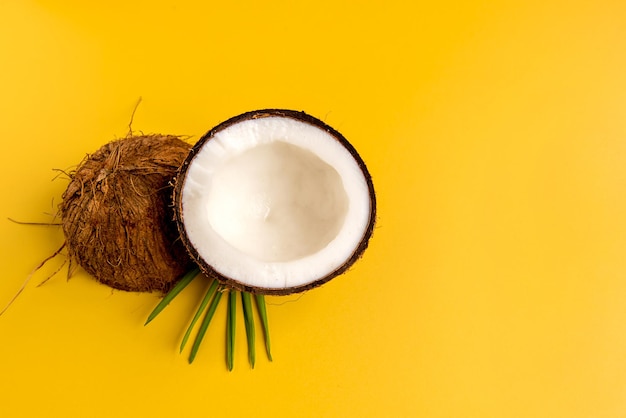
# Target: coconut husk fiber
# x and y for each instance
(117, 217)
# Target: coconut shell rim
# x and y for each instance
(206, 268)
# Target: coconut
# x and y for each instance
(117, 218)
(274, 202)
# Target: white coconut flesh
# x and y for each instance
(275, 203)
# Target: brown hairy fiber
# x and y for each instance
(117, 216)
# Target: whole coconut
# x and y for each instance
(117, 217)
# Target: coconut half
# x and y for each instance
(116, 214)
(274, 202)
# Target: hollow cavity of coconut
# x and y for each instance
(117, 217)
(274, 202)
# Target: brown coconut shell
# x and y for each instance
(232, 282)
(117, 218)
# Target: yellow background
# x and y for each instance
(495, 131)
